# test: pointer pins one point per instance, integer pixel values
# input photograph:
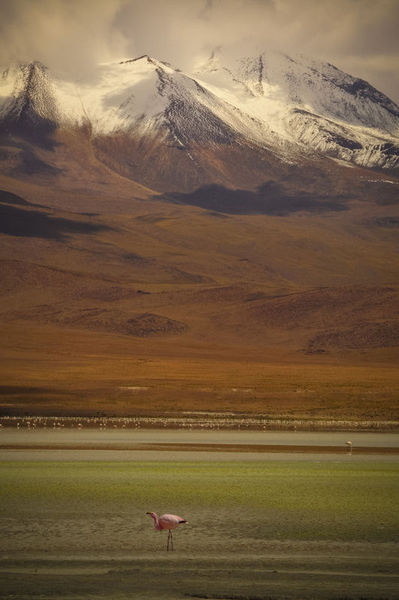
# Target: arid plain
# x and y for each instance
(116, 299)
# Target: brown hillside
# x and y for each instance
(106, 286)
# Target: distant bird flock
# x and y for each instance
(200, 420)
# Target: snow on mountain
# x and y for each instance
(288, 105)
(311, 103)
(27, 94)
(142, 95)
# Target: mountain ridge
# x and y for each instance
(271, 105)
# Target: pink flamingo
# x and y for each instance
(168, 522)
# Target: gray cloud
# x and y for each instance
(358, 36)
(69, 35)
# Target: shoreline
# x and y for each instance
(199, 421)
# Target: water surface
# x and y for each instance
(161, 444)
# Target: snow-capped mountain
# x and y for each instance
(310, 103)
(287, 108)
(142, 96)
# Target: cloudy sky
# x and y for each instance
(358, 36)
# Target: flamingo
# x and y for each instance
(168, 522)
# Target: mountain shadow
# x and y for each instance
(269, 199)
(30, 222)
(7, 197)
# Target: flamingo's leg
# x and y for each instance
(171, 539)
(169, 534)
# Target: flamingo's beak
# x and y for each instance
(148, 513)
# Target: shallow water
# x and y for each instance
(108, 445)
(170, 456)
(151, 436)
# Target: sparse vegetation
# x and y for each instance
(80, 529)
(266, 501)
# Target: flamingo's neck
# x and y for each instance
(156, 521)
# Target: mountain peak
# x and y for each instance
(293, 106)
(30, 106)
(150, 60)
(144, 57)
